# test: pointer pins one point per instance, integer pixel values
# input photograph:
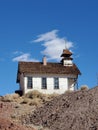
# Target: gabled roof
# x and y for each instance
(50, 68)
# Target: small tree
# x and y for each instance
(84, 87)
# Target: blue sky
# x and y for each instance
(31, 28)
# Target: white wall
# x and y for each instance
(68, 63)
(37, 85)
(71, 84)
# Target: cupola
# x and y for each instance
(67, 59)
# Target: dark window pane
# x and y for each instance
(56, 83)
(44, 83)
(29, 83)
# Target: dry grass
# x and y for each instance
(34, 94)
(10, 97)
(35, 102)
(39, 98)
(68, 91)
(33, 98)
(31, 102)
(84, 87)
(25, 101)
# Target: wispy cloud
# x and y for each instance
(24, 57)
(17, 52)
(53, 44)
(47, 36)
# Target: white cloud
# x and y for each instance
(24, 57)
(53, 44)
(17, 52)
(47, 36)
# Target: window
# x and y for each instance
(29, 83)
(44, 83)
(56, 83)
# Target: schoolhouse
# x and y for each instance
(48, 77)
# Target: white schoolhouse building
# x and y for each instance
(47, 77)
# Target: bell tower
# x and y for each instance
(67, 59)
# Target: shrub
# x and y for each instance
(35, 102)
(84, 87)
(69, 91)
(37, 98)
(51, 96)
(34, 94)
(7, 98)
(25, 101)
(15, 96)
(10, 97)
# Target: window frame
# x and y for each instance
(29, 82)
(56, 83)
(44, 83)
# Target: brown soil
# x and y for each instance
(13, 107)
(7, 110)
(70, 111)
(6, 124)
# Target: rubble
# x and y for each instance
(6, 122)
(70, 111)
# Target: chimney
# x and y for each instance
(44, 60)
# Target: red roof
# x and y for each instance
(50, 68)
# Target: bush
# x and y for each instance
(35, 102)
(34, 94)
(25, 101)
(69, 91)
(37, 98)
(15, 96)
(51, 96)
(10, 97)
(84, 87)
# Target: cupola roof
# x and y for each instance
(66, 52)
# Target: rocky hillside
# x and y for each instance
(13, 107)
(70, 111)
(7, 111)
(35, 111)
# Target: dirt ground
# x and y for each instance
(70, 111)
(13, 108)
(7, 117)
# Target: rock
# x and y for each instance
(70, 111)
(6, 124)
